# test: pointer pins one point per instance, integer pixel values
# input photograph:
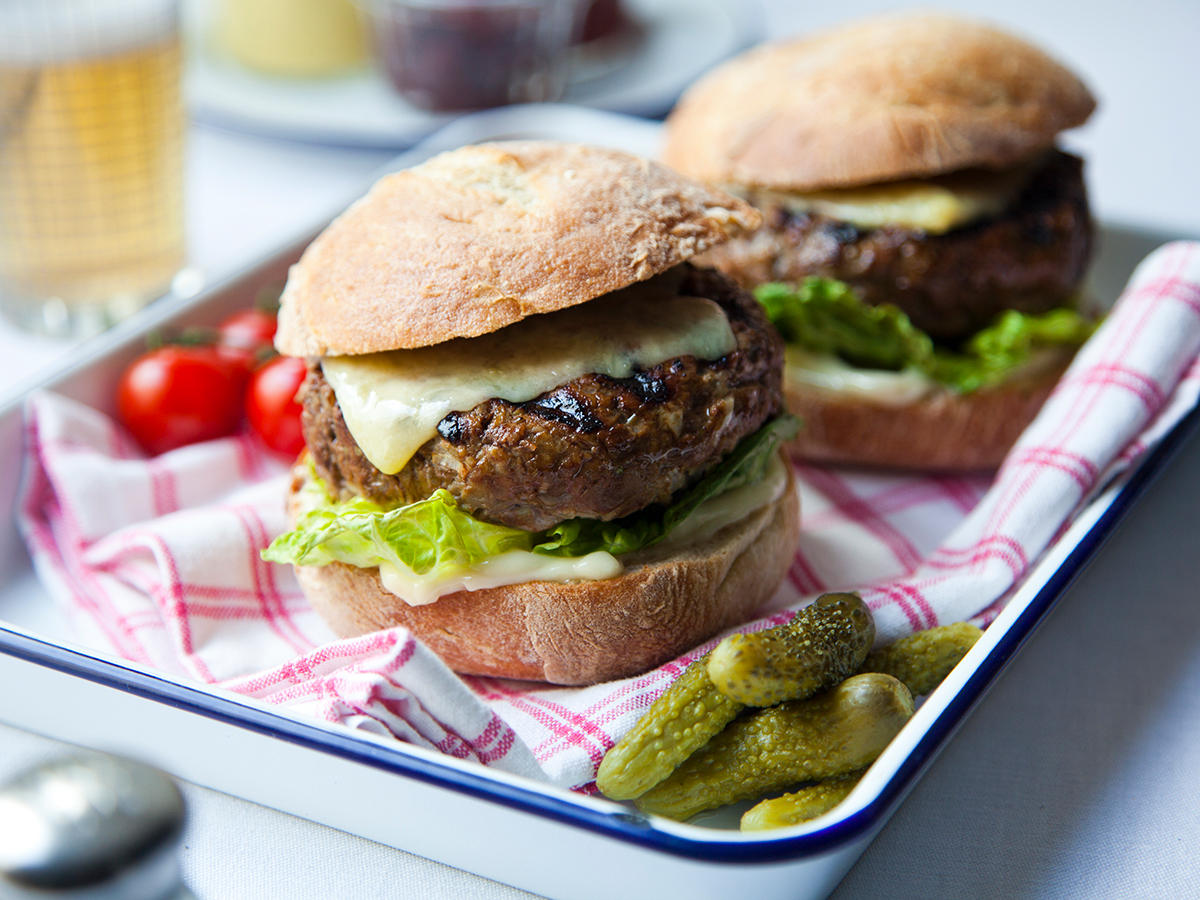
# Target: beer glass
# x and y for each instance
(91, 168)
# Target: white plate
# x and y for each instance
(676, 41)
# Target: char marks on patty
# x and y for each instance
(596, 447)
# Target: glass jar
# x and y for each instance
(445, 55)
(300, 38)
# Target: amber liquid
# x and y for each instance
(91, 178)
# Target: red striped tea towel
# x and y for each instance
(158, 560)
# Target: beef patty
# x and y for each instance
(1030, 258)
(596, 447)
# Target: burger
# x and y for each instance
(925, 241)
(537, 435)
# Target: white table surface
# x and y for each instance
(1076, 776)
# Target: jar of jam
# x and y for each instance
(444, 55)
(597, 19)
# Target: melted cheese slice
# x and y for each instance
(514, 567)
(885, 388)
(936, 205)
(392, 402)
(878, 386)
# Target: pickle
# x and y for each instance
(679, 722)
(924, 659)
(824, 644)
(833, 733)
(806, 803)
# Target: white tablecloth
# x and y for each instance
(1076, 775)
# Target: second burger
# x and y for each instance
(537, 436)
(925, 241)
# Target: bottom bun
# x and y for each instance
(944, 431)
(664, 604)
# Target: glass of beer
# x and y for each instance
(91, 160)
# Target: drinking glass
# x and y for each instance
(444, 55)
(91, 160)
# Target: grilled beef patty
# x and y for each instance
(1031, 258)
(596, 447)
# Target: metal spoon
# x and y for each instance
(91, 827)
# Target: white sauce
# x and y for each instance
(886, 388)
(392, 401)
(513, 567)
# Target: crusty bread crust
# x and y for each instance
(885, 98)
(944, 431)
(585, 632)
(483, 236)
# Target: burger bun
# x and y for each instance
(665, 603)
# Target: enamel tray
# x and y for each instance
(540, 838)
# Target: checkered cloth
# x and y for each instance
(158, 560)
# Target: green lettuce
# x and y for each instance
(747, 464)
(433, 535)
(826, 316)
(1005, 345)
(437, 536)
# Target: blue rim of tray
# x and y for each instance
(622, 824)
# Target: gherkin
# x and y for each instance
(833, 733)
(825, 643)
(923, 660)
(802, 805)
(680, 721)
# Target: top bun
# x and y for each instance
(481, 237)
(882, 99)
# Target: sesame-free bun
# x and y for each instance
(665, 603)
(943, 431)
(483, 236)
(890, 97)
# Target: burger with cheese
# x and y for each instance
(925, 241)
(537, 436)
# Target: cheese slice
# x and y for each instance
(935, 205)
(885, 388)
(393, 401)
(513, 567)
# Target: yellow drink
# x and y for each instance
(91, 165)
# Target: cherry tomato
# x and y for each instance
(249, 329)
(178, 395)
(271, 404)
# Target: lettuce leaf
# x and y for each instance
(436, 535)
(747, 464)
(826, 316)
(1005, 345)
(432, 535)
